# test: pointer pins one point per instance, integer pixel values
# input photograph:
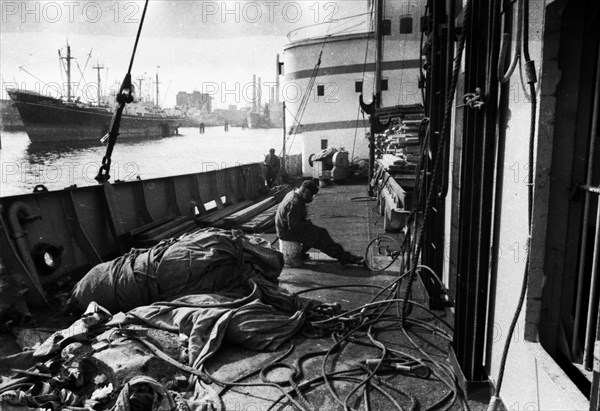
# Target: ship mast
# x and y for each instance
(278, 65)
(284, 139)
(258, 96)
(276, 99)
(140, 79)
(377, 98)
(68, 58)
(254, 93)
(157, 83)
(97, 67)
(378, 51)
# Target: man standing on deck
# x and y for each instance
(292, 225)
(273, 165)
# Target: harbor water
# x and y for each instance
(24, 165)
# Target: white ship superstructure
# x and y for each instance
(331, 116)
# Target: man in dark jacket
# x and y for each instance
(273, 165)
(292, 225)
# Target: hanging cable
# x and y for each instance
(82, 78)
(82, 71)
(531, 80)
(123, 97)
(290, 132)
(503, 77)
(402, 59)
(304, 102)
(294, 33)
(432, 189)
(359, 110)
(421, 73)
(105, 82)
(523, 82)
(61, 69)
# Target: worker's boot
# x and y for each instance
(350, 259)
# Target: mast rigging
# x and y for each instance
(124, 96)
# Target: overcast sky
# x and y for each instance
(211, 46)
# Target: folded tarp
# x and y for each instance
(207, 261)
(257, 322)
(212, 285)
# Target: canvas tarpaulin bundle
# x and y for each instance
(206, 261)
(212, 285)
(210, 319)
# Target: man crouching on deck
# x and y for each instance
(292, 225)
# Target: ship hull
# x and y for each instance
(48, 119)
(91, 223)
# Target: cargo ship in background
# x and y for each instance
(48, 119)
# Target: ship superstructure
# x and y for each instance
(333, 63)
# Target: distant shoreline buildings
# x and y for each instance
(194, 100)
(10, 119)
(197, 108)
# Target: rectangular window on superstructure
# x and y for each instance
(358, 86)
(384, 84)
(386, 27)
(320, 90)
(406, 25)
(323, 144)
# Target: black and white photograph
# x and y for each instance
(304, 205)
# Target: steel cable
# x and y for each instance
(531, 80)
(437, 163)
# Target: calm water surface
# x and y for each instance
(25, 165)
